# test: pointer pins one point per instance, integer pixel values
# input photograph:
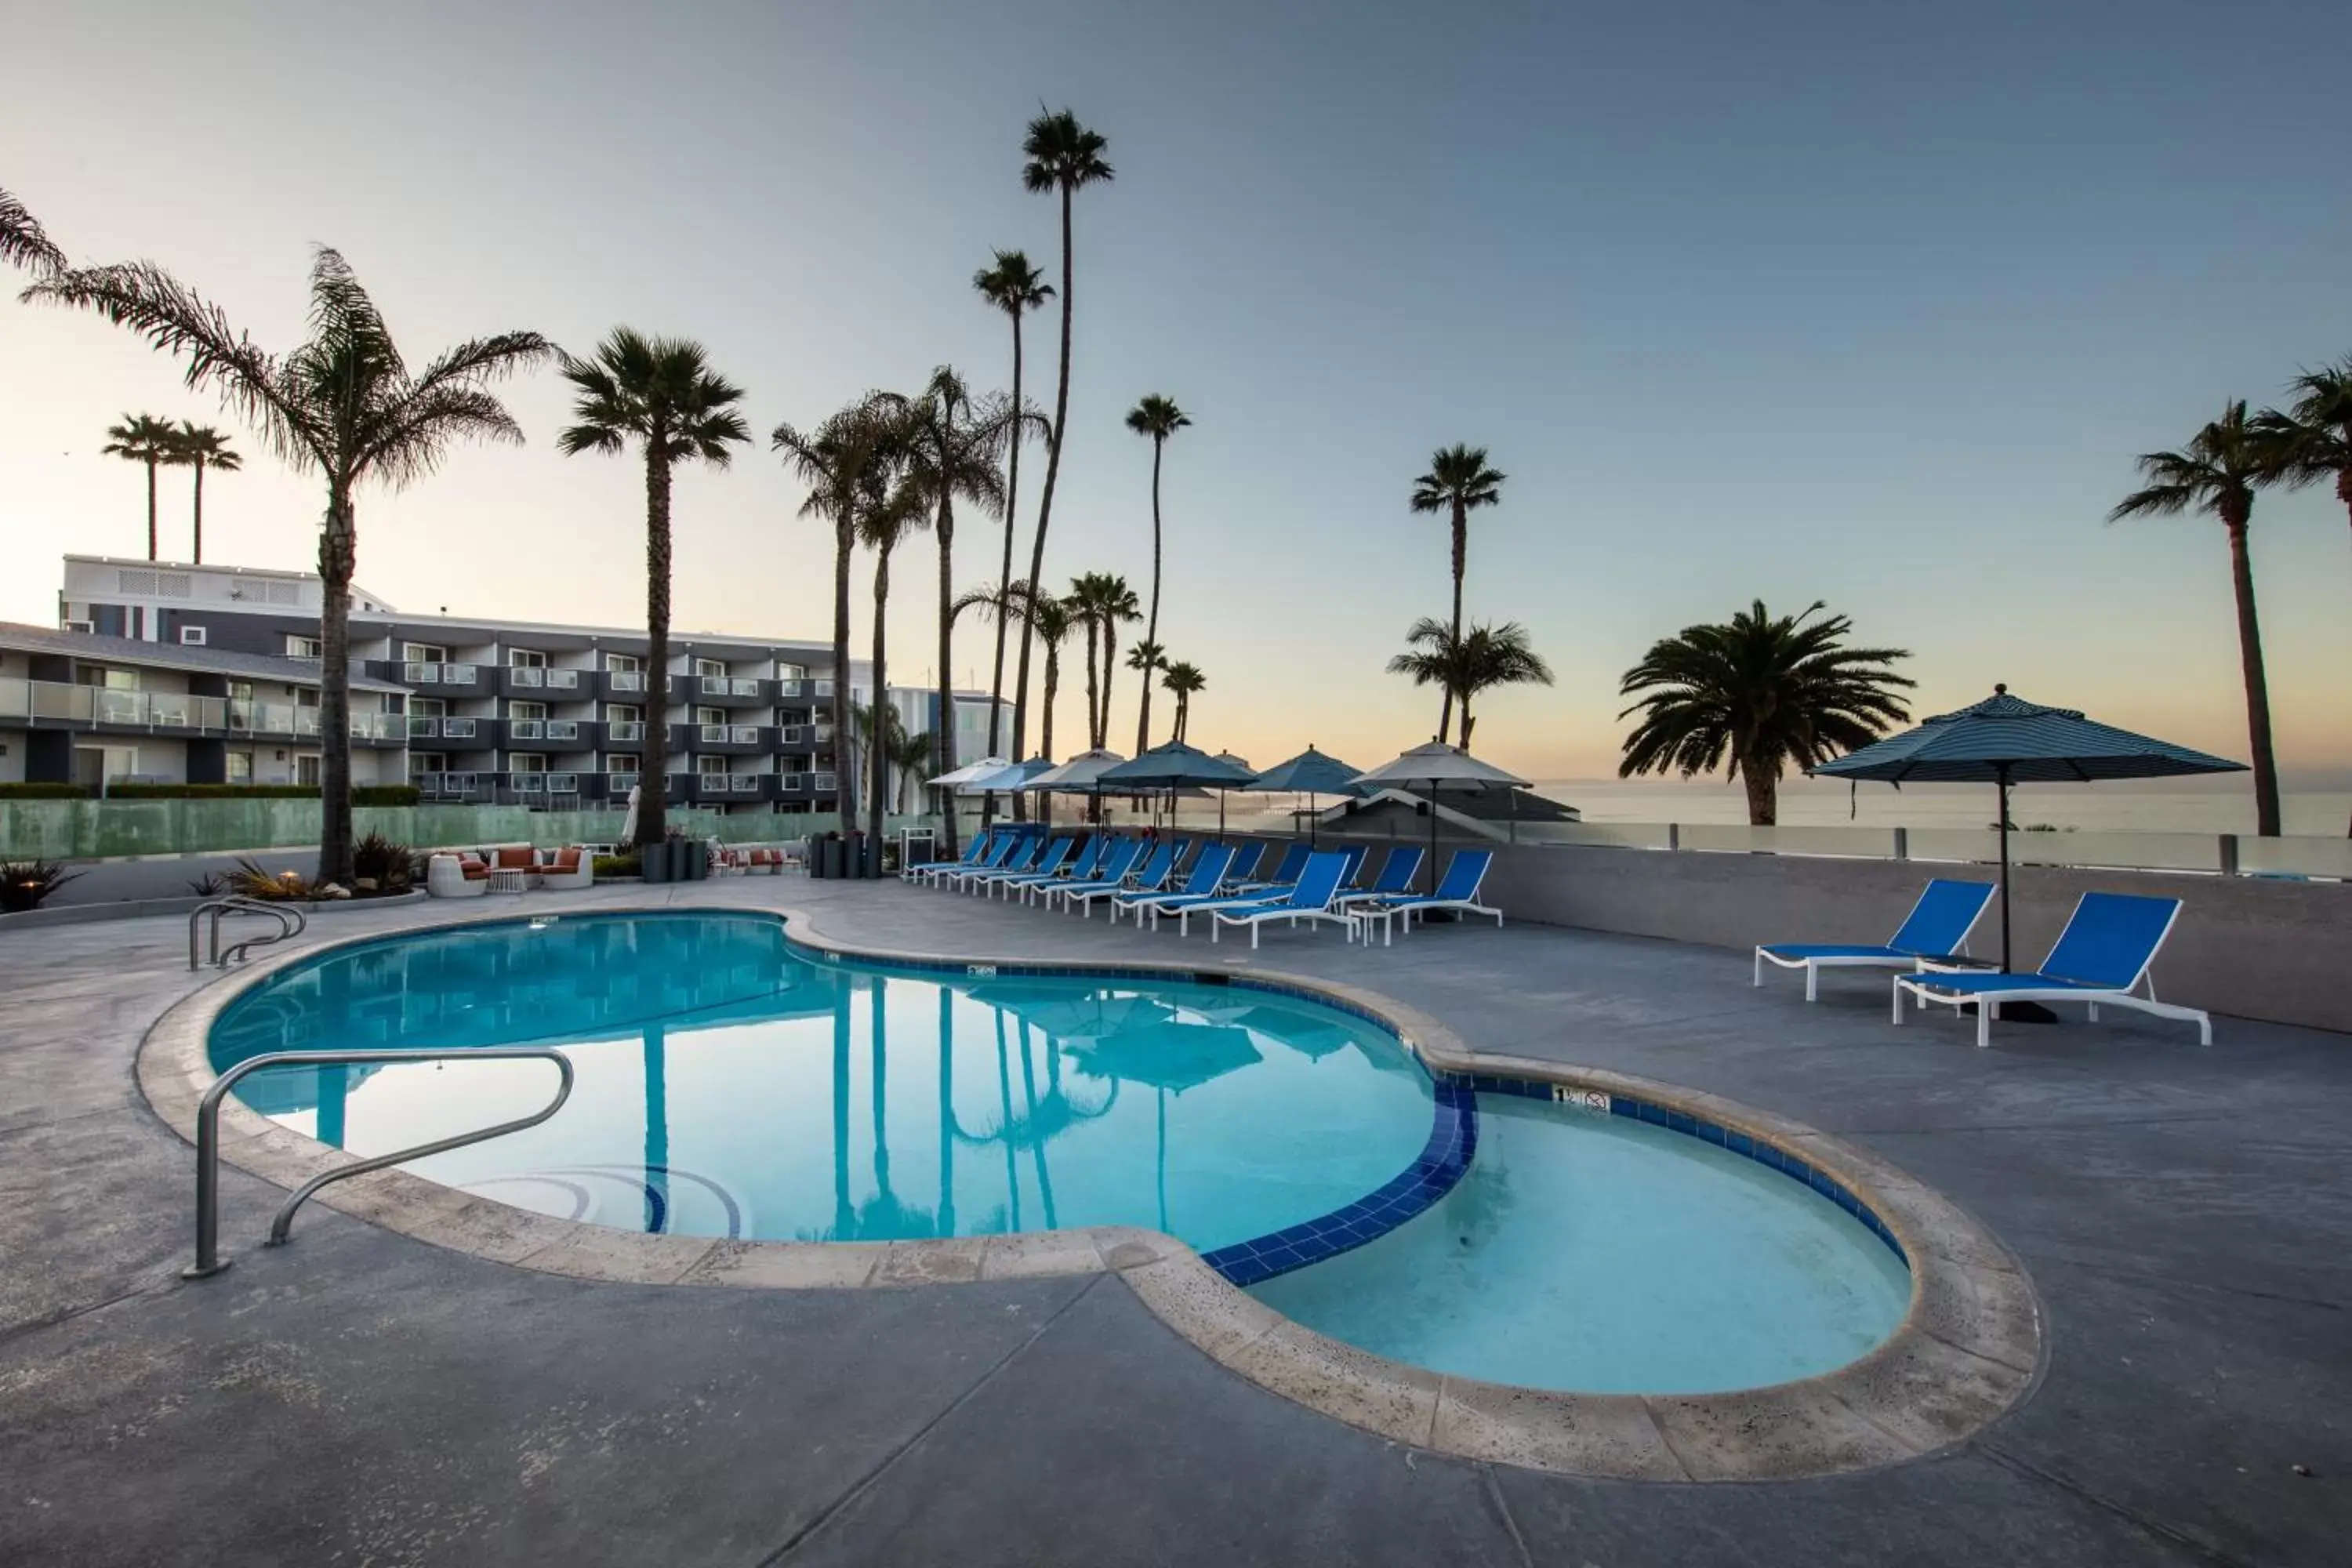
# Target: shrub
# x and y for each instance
(386, 794)
(24, 883)
(211, 792)
(254, 881)
(389, 864)
(618, 865)
(211, 884)
(43, 792)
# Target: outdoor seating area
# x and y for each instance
(508, 868)
(1248, 884)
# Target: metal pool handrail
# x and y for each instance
(208, 1259)
(291, 922)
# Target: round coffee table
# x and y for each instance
(509, 881)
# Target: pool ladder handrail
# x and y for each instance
(208, 1259)
(291, 922)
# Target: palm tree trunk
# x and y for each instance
(943, 741)
(197, 554)
(653, 770)
(1004, 573)
(151, 554)
(1110, 671)
(2258, 692)
(1461, 554)
(1094, 687)
(1763, 796)
(1053, 474)
(845, 541)
(338, 546)
(877, 749)
(656, 1072)
(1151, 622)
(1046, 727)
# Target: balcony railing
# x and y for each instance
(787, 688)
(422, 673)
(459, 729)
(743, 784)
(526, 675)
(527, 783)
(729, 686)
(65, 702)
(422, 727)
(823, 784)
(625, 730)
(793, 783)
(821, 688)
(618, 785)
(526, 728)
(625, 680)
(562, 728)
(795, 734)
(563, 784)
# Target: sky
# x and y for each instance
(1872, 304)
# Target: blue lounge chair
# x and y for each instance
(1056, 856)
(1028, 857)
(1244, 865)
(1151, 878)
(1284, 875)
(1209, 868)
(1082, 863)
(1396, 880)
(970, 857)
(1310, 900)
(1457, 890)
(2103, 955)
(1011, 850)
(1937, 927)
(1117, 859)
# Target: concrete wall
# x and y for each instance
(2246, 946)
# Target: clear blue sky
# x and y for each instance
(1865, 302)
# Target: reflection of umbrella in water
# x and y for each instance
(2004, 740)
(1061, 1016)
(1171, 1057)
(1309, 1035)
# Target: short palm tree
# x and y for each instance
(200, 446)
(1493, 657)
(22, 241)
(844, 464)
(1145, 659)
(343, 405)
(1459, 481)
(1759, 693)
(1012, 286)
(2217, 473)
(2313, 434)
(1183, 679)
(662, 395)
(144, 439)
(1158, 418)
(1430, 658)
(951, 454)
(1049, 619)
(1114, 607)
(1060, 156)
(903, 509)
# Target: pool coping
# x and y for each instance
(1969, 1347)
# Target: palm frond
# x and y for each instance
(23, 242)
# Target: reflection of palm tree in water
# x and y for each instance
(1046, 1116)
(656, 1127)
(881, 1218)
(947, 1112)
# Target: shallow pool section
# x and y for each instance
(730, 1086)
(1595, 1253)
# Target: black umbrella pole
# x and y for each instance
(2002, 825)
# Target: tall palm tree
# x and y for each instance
(1014, 287)
(1145, 659)
(1110, 604)
(661, 393)
(842, 462)
(1183, 679)
(200, 446)
(1459, 481)
(1758, 692)
(883, 527)
(22, 241)
(1062, 157)
(343, 405)
(1158, 418)
(951, 454)
(2313, 434)
(144, 439)
(2218, 472)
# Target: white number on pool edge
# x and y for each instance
(980, 971)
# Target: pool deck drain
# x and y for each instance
(1967, 1350)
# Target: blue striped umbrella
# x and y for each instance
(2004, 740)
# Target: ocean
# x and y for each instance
(2156, 805)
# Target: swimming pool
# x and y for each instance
(732, 1083)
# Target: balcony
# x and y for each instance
(463, 679)
(730, 740)
(721, 789)
(802, 740)
(455, 787)
(731, 690)
(534, 680)
(543, 735)
(46, 704)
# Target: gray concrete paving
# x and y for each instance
(362, 1397)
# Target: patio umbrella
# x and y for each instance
(2004, 740)
(1079, 775)
(629, 818)
(1434, 764)
(1170, 1057)
(1176, 766)
(970, 774)
(1310, 774)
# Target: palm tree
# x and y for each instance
(2218, 472)
(1062, 155)
(1183, 679)
(1145, 659)
(2314, 436)
(22, 241)
(1760, 692)
(840, 462)
(883, 527)
(342, 404)
(1015, 288)
(911, 756)
(1458, 483)
(144, 439)
(1430, 658)
(950, 453)
(1158, 418)
(1496, 656)
(200, 446)
(1114, 607)
(662, 393)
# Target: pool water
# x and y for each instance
(730, 1086)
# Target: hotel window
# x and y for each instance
(240, 767)
(623, 663)
(709, 667)
(710, 715)
(302, 647)
(526, 763)
(623, 713)
(191, 636)
(306, 769)
(525, 658)
(710, 767)
(526, 709)
(423, 653)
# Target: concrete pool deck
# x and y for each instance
(367, 1396)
